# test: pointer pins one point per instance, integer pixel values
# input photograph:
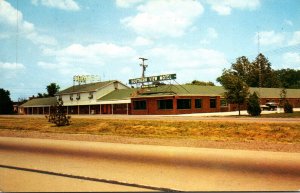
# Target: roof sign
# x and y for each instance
(153, 78)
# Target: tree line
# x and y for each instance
(259, 73)
(6, 104)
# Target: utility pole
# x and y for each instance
(144, 66)
(259, 65)
(258, 50)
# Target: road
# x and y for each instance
(58, 165)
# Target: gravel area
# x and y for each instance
(249, 145)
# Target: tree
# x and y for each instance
(262, 72)
(243, 68)
(58, 115)
(252, 72)
(6, 105)
(52, 89)
(236, 89)
(288, 78)
(253, 107)
(201, 83)
(287, 107)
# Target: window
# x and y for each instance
(198, 103)
(139, 105)
(223, 103)
(213, 102)
(78, 96)
(183, 103)
(91, 95)
(165, 104)
(71, 97)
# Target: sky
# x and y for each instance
(45, 41)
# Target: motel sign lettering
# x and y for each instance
(153, 78)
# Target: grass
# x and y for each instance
(202, 130)
(282, 115)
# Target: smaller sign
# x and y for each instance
(149, 86)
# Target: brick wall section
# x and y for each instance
(152, 108)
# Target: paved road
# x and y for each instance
(57, 165)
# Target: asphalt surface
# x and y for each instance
(57, 165)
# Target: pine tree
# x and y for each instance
(253, 107)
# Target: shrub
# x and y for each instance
(288, 108)
(253, 107)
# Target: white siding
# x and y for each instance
(84, 97)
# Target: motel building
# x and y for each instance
(114, 97)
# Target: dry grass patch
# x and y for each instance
(202, 130)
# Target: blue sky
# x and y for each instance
(44, 41)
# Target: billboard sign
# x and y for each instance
(153, 78)
(85, 78)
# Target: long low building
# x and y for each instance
(113, 97)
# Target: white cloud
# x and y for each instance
(78, 58)
(291, 60)
(127, 3)
(10, 18)
(164, 18)
(295, 39)
(126, 70)
(211, 35)
(69, 5)
(288, 22)
(188, 64)
(269, 38)
(141, 41)
(224, 7)
(180, 58)
(11, 66)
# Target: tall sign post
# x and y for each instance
(144, 66)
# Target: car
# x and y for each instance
(270, 106)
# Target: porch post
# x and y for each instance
(127, 108)
(78, 109)
(100, 110)
(89, 109)
(67, 110)
(112, 109)
(43, 110)
(32, 110)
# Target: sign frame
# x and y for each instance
(162, 77)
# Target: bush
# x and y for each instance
(253, 107)
(288, 108)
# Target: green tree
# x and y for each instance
(250, 72)
(236, 89)
(268, 79)
(6, 105)
(288, 78)
(243, 68)
(201, 83)
(52, 89)
(253, 107)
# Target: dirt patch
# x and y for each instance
(251, 145)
